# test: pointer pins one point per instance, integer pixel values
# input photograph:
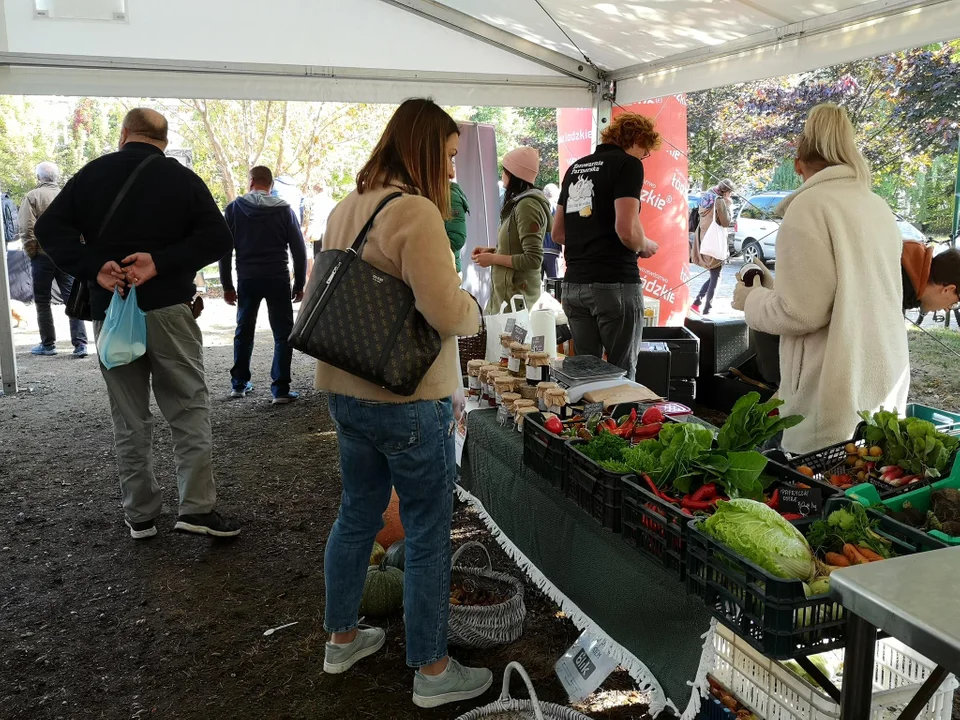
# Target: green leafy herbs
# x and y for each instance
(849, 524)
(914, 444)
(686, 455)
(682, 444)
(752, 423)
(604, 448)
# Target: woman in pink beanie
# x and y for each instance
(524, 219)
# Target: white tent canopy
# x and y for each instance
(551, 53)
(500, 52)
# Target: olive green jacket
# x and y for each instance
(524, 221)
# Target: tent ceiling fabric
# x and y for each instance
(501, 52)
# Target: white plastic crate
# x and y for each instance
(773, 692)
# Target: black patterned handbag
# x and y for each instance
(363, 321)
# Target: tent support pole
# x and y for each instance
(604, 99)
(492, 35)
(8, 355)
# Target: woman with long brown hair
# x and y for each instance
(390, 441)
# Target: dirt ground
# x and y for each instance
(95, 625)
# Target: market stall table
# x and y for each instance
(601, 583)
(915, 599)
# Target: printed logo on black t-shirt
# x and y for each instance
(590, 189)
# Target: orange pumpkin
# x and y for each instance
(392, 529)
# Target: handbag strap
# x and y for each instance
(361, 240)
(123, 192)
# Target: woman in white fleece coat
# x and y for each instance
(836, 304)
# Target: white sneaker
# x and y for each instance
(340, 658)
(455, 684)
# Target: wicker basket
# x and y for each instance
(473, 347)
(506, 708)
(486, 626)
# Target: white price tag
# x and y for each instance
(584, 667)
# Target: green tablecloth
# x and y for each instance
(635, 602)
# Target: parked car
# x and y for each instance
(755, 230)
(910, 232)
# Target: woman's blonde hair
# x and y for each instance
(828, 139)
(413, 151)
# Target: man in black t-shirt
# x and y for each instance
(598, 223)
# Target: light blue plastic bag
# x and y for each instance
(123, 337)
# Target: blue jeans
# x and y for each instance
(250, 293)
(409, 447)
(44, 273)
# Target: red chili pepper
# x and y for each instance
(645, 432)
(696, 505)
(658, 492)
(774, 501)
(652, 485)
(792, 516)
(704, 492)
(610, 424)
(628, 419)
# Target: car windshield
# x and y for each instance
(760, 207)
(909, 232)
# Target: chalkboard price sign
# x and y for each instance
(802, 501)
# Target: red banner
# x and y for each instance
(663, 205)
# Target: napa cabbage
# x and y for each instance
(762, 536)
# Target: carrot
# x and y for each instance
(853, 555)
(836, 559)
(869, 554)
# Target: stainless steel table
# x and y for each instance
(915, 599)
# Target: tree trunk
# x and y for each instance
(223, 164)
(283, 137)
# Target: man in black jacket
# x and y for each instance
(263, 228)
(163, 231)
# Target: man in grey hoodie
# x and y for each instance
(264, 228)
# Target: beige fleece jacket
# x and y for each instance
(33, 206)
(408, 240)
(836, 308)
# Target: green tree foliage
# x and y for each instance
(903, 106)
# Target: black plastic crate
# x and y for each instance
(654, 526)
(832, 461)
(683, 391)
(594, 489)
(684, 349)
(770, 613)
(659, 528)
(544, 452)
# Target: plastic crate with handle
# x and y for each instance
(832, 460)
(774, 692)
(772, 614)
(918, 499)
(659, 528)
(596, 490)
(544, 452)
